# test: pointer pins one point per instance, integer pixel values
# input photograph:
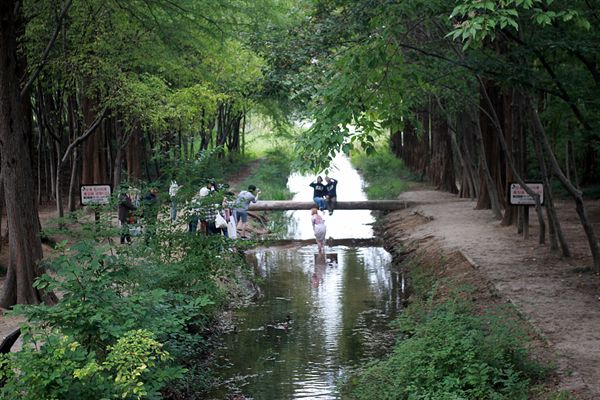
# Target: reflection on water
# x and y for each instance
(317, 317)
(343, 223)
(318, 314)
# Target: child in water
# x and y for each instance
(318, 227)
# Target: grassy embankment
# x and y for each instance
(449, 345)
(273, 159)
(385, 175)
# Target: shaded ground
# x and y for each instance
(560, 297)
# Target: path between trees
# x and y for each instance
(558, 296)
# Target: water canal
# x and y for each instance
(317, 316)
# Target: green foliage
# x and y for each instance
(448, 349)
(385, 174)
(50, 372)
(127, 316)
(452, 354)
(136, 367)
(132, 359)
(478, 20)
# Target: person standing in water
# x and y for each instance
(319, 193)
(319, 228)
(330, 193)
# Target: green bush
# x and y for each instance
(385, 174)
(136, 367)
(128, 315)
(452, 354)
(448, 349)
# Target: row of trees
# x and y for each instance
(100, 91)
(475, 95)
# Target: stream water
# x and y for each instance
(317, 315)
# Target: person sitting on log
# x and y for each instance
(330, 193)
(319, 193)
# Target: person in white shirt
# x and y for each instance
(173, 189)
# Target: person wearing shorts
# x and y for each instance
(241, 208)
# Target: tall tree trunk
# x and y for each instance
(510, 162)
(93, 152)
(1, 207)
(572, 167)
(25, 246)
(555, 229)
(52, 166)
(74, 181)
(59, 201)
(488, 186)
(135, 151)
(573, 191)
(243, 139)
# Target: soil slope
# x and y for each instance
(560, 297)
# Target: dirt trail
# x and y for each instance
(559, 296)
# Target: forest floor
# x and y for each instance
(559, 297)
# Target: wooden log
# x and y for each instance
(354, 242)
(386, 205)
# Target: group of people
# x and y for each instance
(324, 196)
(214, 211)
(217, 211)
(325, 193)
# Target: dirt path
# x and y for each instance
(559, 296)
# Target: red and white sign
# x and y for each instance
(519, 197)
(95, 194)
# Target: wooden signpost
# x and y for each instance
(95, 195)
(518, 196)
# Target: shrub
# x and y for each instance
(384, 173)
(448, 349)
(60, 368)
(452, 354)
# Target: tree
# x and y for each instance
(112, 66)
(25, 245)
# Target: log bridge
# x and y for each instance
(282, 205)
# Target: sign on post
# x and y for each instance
(95, 194)
(518, 196)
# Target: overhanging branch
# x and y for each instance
(49, 46)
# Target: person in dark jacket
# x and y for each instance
(331, 193)
(319, 193)
(126, 207)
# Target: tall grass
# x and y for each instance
(385, 174)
